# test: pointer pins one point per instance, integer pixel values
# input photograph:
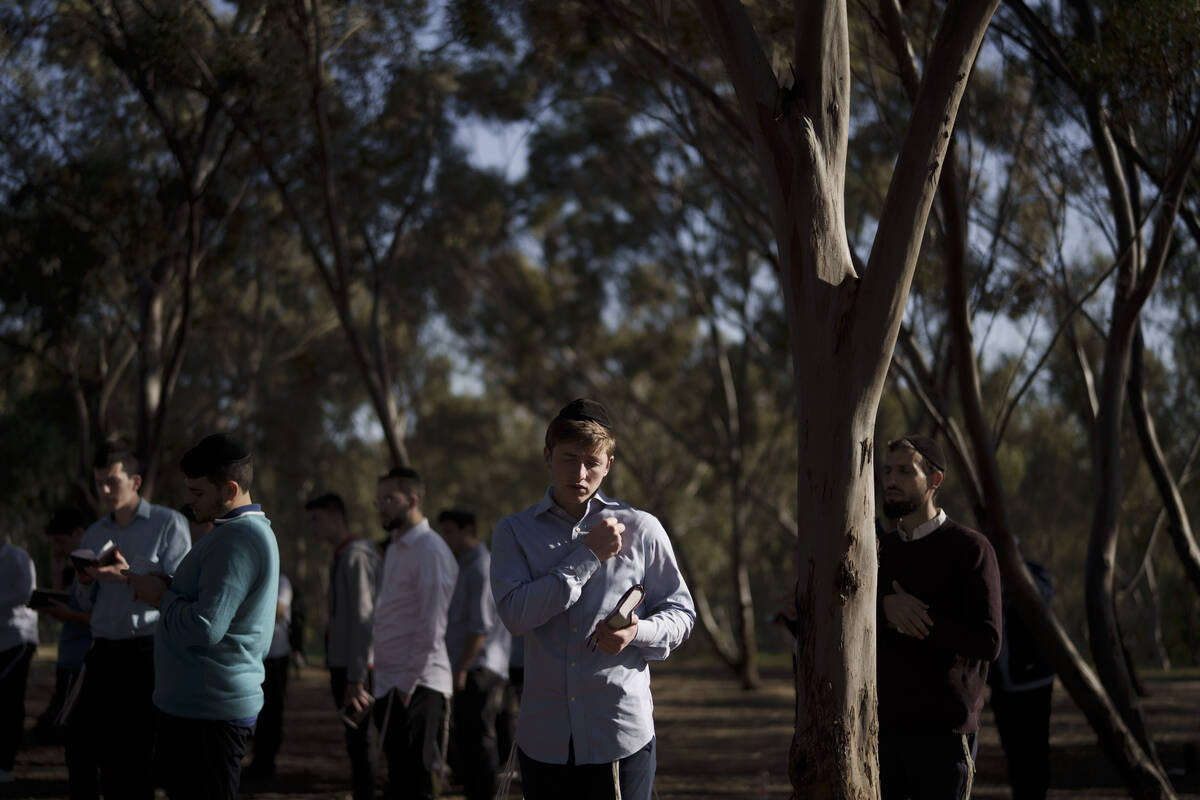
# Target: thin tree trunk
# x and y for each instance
(1178, 525)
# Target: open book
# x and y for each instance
(85, 557)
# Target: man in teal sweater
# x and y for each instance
(218, 614)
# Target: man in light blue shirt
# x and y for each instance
(559, 569)
(114, 712)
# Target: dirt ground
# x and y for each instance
(714, 740)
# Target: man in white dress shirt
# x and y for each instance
(413, 681)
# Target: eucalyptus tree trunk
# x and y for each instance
(842, 329)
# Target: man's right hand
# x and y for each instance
(906, 613)
(604, 539)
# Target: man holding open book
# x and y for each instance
(561, 570)
(114, 710)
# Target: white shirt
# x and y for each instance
(18, 622)
(924, 529)
(419, 573)
(279, 639)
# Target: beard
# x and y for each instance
(394, 524)
(895, 509)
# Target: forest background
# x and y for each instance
(360, 234)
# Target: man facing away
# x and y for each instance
(939, 615)
(353, 584)
(478, 645)
(559, 569)
(218, 614)
(115, 711)
(412, 671)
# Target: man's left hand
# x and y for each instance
(148, 588)
(614, 641)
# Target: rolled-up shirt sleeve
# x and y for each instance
(524, 602)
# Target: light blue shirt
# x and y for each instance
(550, 587)
(473, 612)
(217, 621)
(157, 537)
(18, 622)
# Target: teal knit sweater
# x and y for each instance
(217, 620)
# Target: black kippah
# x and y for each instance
(211, 454)
(586, 410)
(928, 448)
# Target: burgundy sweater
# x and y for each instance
(935, 684)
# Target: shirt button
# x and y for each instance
(572, 663)
(575, 630)
(572, 699)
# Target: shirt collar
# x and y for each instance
(405, 538)
(143, 511)
(251, 510)
(548, 503)
(925, 528)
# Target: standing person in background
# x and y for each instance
(65, 530)
(1022, 681)
(218, 615)
(353, 584)
(115, 710)
(478, 645)
(268, 733)
(559, 570)
(18, 641)
(413, 683)
(939, 612)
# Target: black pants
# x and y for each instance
(1023, 721)
(362, 769)
(200, 759)
(268, 733)
(410, 741)
(114, 718)
(14, 674)
(542, 781)
(926, 766)
(474, 748)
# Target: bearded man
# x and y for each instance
(940, 622)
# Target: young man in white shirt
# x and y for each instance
(413, 683)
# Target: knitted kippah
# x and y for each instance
(928, 448)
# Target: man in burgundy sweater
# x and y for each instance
(939, 628)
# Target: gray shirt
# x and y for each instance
(473, 612)
(155, 540)
(353, 585)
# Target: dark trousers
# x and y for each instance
(14, 674)
(542, 781)
(1023, 721)
(926, 766)
(474, 749)
(410, 741)
(268, 733)
(200, 759)
(47, 730)
(358, 747)
(114, 717)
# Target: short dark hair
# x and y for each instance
(327, 502)
(460, 517)
(117, 451)
(66, 519)
(219, 458)
(409, 478)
